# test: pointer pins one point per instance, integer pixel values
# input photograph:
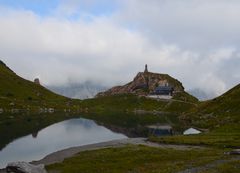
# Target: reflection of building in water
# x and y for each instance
(34, 134)
(160, 130)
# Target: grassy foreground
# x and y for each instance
(221, 140)
(230, 167)
(140, 159)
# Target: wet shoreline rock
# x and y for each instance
(24, 167)
(234, 152)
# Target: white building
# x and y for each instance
(191, 131)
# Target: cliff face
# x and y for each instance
(145, 83)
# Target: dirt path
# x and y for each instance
(59, 156)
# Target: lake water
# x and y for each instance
(69, 133)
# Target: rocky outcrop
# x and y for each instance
(145, 83)
(24, 167)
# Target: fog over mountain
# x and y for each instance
(201, 95)
(79, 91)
(109, 41)
(90, 89)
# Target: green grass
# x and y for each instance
(217, 112)
(223, 137)
(184, 96)
(130, 102)
(229, 167)
(13, 86)
(18, 93)
(219, 140)
(140, 159)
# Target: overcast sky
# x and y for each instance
(109, 41)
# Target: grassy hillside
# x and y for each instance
(217, 112)
(131, 103)
(221, 116)
(16, 92)
(184, 96)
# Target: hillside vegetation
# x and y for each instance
(223, 110)
(16, 92)
(221, 116)
(139, 159)
(131, 102)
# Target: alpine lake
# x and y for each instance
(32, 137)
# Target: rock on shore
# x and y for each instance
(24, 167)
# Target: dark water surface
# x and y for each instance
(69, 133)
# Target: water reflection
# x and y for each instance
(74, 132)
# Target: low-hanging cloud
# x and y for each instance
(196, 42)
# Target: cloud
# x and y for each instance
(194, 41)
(194, 24)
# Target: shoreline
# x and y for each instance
(59, 156)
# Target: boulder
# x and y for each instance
(24, 167)
(234, 152)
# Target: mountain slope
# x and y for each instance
(16, 91)
(219, 111)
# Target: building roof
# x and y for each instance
(191, 131)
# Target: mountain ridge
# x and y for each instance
(145, 83)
